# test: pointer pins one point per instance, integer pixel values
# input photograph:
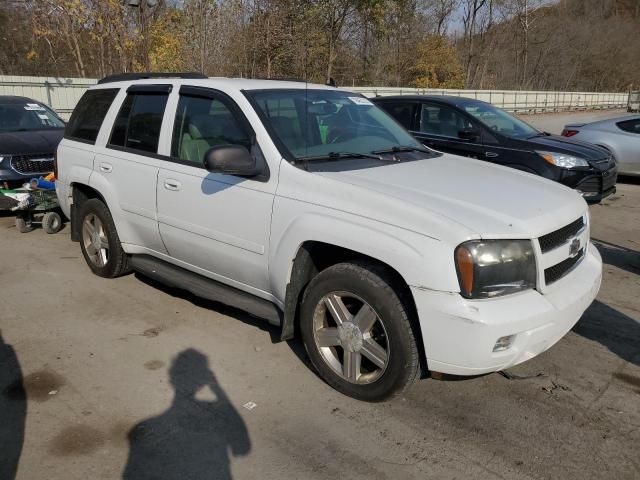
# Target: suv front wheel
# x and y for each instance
(357, 331)
(99, 241)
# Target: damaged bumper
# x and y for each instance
(467, 337)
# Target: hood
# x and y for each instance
(490, 201)
(555, 143)
(31, 141)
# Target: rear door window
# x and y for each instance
(87, 117)
(402, 112)
(631, 126)
(137, 126)
(442, 120)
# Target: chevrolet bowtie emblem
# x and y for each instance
(574, 248)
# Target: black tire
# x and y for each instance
(117, 262)
(373, 284)
(52, 222)
(23, 225)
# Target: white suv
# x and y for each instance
(312, 208)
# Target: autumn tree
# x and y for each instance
(437, 64)
(510, 44)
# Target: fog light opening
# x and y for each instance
(503, 343)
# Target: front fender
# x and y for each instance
(422, 261)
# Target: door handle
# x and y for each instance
(106, 167)
(491, 154)
(171, 184)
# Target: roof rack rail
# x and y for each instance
(123, 77)
(278, 78)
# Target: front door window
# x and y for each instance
(442, 120)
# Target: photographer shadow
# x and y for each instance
(13, 411)
(194, 438)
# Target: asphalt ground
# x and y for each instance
(125, 378)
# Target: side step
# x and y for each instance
(200, 286)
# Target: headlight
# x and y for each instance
(1, 159)
(563, 160)
(489, 268)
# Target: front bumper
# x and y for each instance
(593, 185)
(459, 334)
(12, 178)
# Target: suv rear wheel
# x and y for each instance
(99, 241)
(357, 331)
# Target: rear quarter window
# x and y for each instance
(87, 117)
(631, 126)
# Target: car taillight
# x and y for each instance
(569, 133)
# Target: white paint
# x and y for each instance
(411, 216)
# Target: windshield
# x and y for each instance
(19, 117)
(500, 121)
(315, 123)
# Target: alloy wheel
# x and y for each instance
(351, 337)
(95, 240)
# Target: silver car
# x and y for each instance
(621, 136)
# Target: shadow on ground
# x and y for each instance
(13, 411)
(295, 344)
(612, 329)
(629, 179)
(617, 256)
(195, 437)
(262, 324)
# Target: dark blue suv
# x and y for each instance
(29, 135)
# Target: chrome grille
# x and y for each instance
(556, 272)
(32, 164)
(560, 236)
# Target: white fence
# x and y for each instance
(62, 94)
(520, 101)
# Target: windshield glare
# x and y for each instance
(319, 122)
(500, 121)
(16, 117)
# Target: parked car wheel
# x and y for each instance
(52, 222)
(99, 241)
(357, 331)
(23, 224)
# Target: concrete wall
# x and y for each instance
(63, 93)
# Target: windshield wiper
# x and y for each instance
(402, 148)
(332, 156)
(540, 134)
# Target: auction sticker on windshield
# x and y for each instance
(360, 100)
(34, 106)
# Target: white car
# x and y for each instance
(312, 208)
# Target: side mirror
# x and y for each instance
(231, 160)
(469, 134)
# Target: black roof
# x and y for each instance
(451, 99)
(13, 99)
